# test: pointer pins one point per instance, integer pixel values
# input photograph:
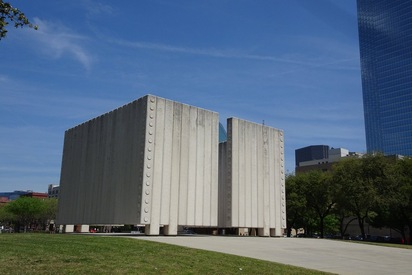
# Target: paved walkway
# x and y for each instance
(320, 254)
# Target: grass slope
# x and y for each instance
(81, 254)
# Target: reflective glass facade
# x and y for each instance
(385, 37)
(312, 152)
(222, 133)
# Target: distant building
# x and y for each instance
(11, 196)
(35, 195)
(4, 200)
(310, 153)
(325, 164)
(14, 195)
(385, 38)
(53, 191)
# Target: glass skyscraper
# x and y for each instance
(385, 38)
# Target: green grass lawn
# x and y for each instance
(82, 254)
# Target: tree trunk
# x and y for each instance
(342, 226)
(321, 226)
(361, 226)
(341, 230)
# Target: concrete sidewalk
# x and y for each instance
(320, 254)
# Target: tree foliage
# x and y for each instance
(357, 193)
(295, 204)
(25, 210)
(395, 205)
(10, 14)
(28, 212)
(374, 189)
(319, 192)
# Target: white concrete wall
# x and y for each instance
(101, 176)
(252, 180)
(152, 162)
(181, 166)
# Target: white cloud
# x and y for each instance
(56, 40)
(326, 54)
(97, 8)
(206, 52)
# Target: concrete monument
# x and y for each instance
(251, 178)
(155, 162)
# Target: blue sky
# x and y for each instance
(292, 64)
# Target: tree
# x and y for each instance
(395, 204)
(361, 181)
(295, 204)
(10, 14)
(343, 216)
(355, 194)
(5, 217)
(320, 194)
(26, 211)
(404, 199)
(49, 210)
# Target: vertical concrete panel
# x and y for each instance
(184, 165)
(240, 149)
(175, 172)
(273, 200)
(88, 167)
(120, 154)
(235, 168)
(207, 171)
(279, 187)
(254, 177)
(81, 210)
(67, 161)
(157, 166)
(141, 116)
(248, 145)
(282, 180)
(200, 166)
(280, 190)
(191, 187)
(214, 145)
(99, 165)
(148, 164)
(229, 174)
(260, 178)
(224, 193)
(105, 188)
(214, 181)
(166, 168)
(96, 165)
(266, 182)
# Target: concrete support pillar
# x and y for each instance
(274, 232)
(69, 228)
(84, 228)
(151, 230)
(263, 232)
(170, 230)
